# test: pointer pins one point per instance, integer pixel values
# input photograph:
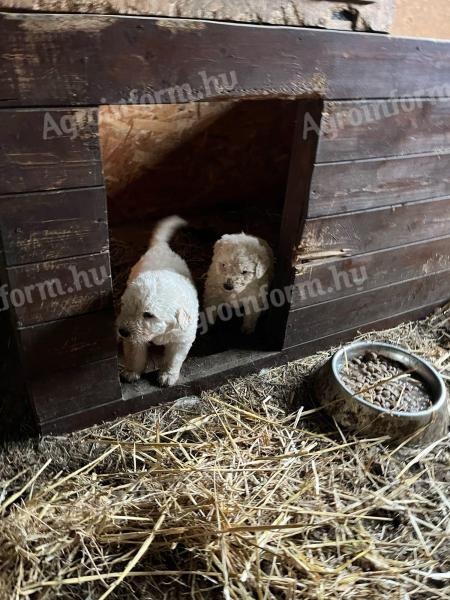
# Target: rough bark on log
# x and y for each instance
(358, 15)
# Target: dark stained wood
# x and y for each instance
(51, 225)
(294, 211)
(54, 60)
(369, 230)
(357, 129)
(69, 391)
(326, 318)
(59, 289)
(68, 343)
(207, 373)
(339, 278)
(17, 417)
(348, 186)
(49, 149)
(70, 362)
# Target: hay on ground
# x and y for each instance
(246, 493)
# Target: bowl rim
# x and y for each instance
(367, 346)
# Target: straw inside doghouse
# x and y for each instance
(246, 493)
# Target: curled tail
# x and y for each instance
(165, 229)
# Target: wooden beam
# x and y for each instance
(360, 15)
(50, 225)
(327, 318)
(49, 149)
(58, 289)
(294, 212)
(74, 390)
(357, 129)
(336, 279)
(341, 187)
(377, 229)
(68, 343)
(54, 60)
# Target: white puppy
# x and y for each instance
(160, 305)
(239, 275)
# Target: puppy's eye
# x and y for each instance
(245, 272)
(148, 315)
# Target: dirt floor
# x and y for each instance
(248, 492)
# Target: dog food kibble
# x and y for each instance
(385, 383)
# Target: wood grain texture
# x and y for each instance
(327, 318)
(55, 290)
(50, 225)
(54, 60)
(352, 130)
(339, 278)
(377, 229)
(68, 343)
(206, 373)
(294, 212)
(356, 185)
(49, 149)
(57, 395)
(174, 158)
(372, 16)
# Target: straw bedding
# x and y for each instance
(245, 493)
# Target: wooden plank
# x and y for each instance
(49, 149)
(294, 211)
(357, 185)
(59, 394)
(377, 229)
(326, 318)
(205, 373)
(352, 130)
(375, 15)
(339, 278)
(55, 290)
(17, 418)
(51, 225)
(68, 343)
(71, 60)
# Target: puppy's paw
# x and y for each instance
(168, 378)
(130, 376)
(152, 365)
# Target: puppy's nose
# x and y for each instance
(124, 332)
(228, 285)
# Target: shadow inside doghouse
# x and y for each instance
(195, 157)
(226, 173)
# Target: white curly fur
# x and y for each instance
(240, 275)
(160, 305)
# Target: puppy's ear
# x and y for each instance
(218, 246)
(261, 268)
(183, 318)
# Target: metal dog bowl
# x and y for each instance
(356, 414)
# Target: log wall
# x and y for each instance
(375, 242)
(55, 259)
(372, 194)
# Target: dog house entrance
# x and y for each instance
(223, 166)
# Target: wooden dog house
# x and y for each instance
(367, 190)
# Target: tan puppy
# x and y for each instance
(240, 274)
